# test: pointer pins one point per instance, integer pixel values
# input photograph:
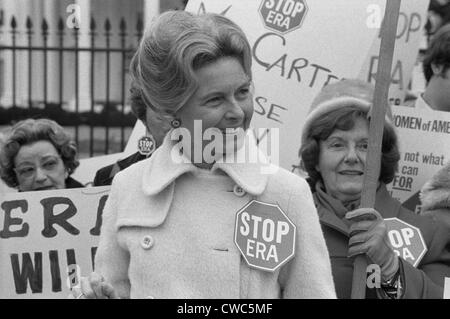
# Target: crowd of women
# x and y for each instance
(168, 225)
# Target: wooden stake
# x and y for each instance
(378, 111)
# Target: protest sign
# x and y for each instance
(283, 16)
(406, 240)
(264, 235)
(4, 188)
(48, 240)
(424, 148)
(297, 47)
(410, 28)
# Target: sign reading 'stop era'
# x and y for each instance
(264, 235)
(299, 46)
(283, 15)
(406, 240)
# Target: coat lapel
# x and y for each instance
(251, 175)
(159, 173)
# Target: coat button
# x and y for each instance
(238, 191)
(147, 242)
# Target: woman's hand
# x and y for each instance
(368, 235)
(94, 287)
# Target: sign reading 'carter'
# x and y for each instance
(283, 15)
(264, 235)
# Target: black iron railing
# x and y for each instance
(113, 112)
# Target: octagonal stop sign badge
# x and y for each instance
(406, 240)
(283, 15)
(264, 235)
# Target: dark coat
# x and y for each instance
(105, 175)
(425, 281)
(73, 183)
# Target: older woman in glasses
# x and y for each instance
(38, 155)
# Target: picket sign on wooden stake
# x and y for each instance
(378, 111)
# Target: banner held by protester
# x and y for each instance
(291, 44)
(411, 23)
(48, 239)
(419, 133)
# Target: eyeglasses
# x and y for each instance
(28, 171)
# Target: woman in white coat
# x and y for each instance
(184, 223)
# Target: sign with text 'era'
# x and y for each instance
(406, 240)
(264, 235)
(48, 240)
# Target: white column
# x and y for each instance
(151, 9)
(51, 14)
(84, 59)
(37, 14)
(19, 9)
(7, 8)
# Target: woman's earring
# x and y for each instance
(175, 123)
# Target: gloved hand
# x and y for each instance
(94, 287)
(368, 235)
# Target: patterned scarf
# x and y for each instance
(335, 205)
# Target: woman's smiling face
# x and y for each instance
(223, 101)
(342, 160)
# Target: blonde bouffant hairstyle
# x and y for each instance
(174, 46)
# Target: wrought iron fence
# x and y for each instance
(112, 113)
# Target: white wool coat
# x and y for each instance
(168, 232)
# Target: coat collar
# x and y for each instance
(167, 164)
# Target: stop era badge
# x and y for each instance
(146, 145)
(264, 235)
(406, 240)
(283, 16)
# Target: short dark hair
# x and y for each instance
(344, 119)
(438, 52)
(30, 131)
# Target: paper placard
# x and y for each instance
(424, 141)
(48, 239)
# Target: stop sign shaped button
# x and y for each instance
(264, 235)
(283, 15)
(406, 240)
